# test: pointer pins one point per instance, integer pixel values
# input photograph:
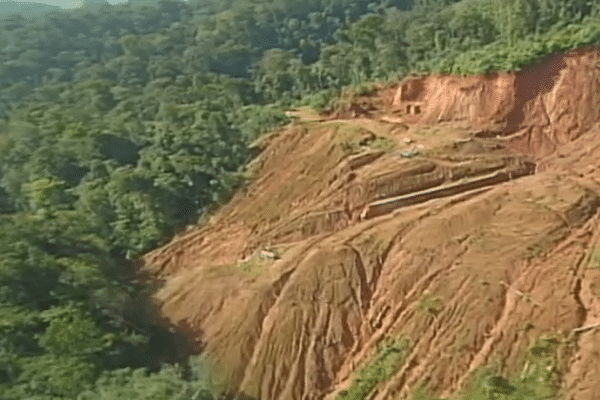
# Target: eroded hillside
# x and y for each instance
(458, 213)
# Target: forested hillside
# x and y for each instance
(120, 125)
(27, 9)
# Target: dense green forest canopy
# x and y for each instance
(121, 124)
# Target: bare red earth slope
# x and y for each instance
(460, 213)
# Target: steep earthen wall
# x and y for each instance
(547, 104)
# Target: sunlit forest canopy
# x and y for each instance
(122, 124)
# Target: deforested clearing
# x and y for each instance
(452, 220)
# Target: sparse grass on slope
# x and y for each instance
(595, 262)
(539, 379)
(390, 357)
(354, 138)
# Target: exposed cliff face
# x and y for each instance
(422, 225)
(544, 106)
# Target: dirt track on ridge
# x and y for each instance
(494, 216)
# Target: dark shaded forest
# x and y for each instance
(122, 124)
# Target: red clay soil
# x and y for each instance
(542, 107)
(496, 259)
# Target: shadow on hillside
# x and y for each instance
(168, 342)
(535, 80)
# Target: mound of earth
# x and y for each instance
(459, 213)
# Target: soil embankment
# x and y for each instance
(537, 110)
(461, 213)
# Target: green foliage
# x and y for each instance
(390, 357)
(383, 143)
(354, 139)
(363, 89)
(322, 101)
(119, 124)
(53, 273)
(54, 375)
(169, 383)
(595, 260)
(431, 304)
(70, 331)
(255, 120)
(43, 195)
(539, 379)
(520, 53)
